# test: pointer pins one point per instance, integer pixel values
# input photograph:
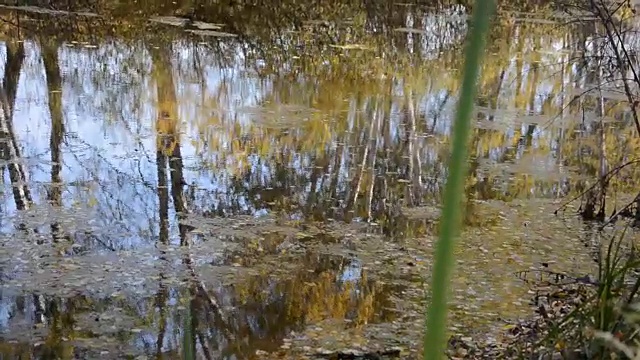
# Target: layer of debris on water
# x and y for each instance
(508, 289)
(496, 301)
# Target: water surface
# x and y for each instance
(216, 179)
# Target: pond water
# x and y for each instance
(221, 179)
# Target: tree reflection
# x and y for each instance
(332, 111)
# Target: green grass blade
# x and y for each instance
(450, 223)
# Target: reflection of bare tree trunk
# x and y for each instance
(415, 167)
(496, 95)
(313, 208)
(192, 323)
(378, 115)
(356, 182)
(596, 196)
(436, 116)
(163, 238)
(168, 138)
(335, 170)
(161, 300)
(15, 57)
(9, 150)
(387, 143)
(59, 314)
(600, 109)
(177, 193)
(177, 177)
(576, 107)
(204, 345)
(603, 166)
(411, 133)
(163, 196)
(168, 146)
(163, 202)
(54, 85)
(519, 65)
(563, 101)
(211, 308)
(533, 82)
(533, 90)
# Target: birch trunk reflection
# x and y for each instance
(54, 86)
(9, 150)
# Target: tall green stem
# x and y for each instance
(434, 345)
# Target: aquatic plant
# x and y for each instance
(607, 318)
(451, 217)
